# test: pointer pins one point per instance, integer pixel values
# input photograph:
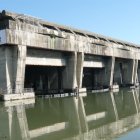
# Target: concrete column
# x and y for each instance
(80, 61)
(109, 71)
(3, 80)
(8, 62)
(20, 68)
(130, 72)
(136, 72)
(69, 73)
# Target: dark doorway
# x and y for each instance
(43, 78)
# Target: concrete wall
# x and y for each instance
(35, 42)
(66, 44)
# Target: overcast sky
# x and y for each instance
(119, 19)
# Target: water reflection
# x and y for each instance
(97, 116)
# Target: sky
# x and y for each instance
(118, 19)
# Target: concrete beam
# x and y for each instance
(28, 23)
(45, 61)
(93, 64)
(65, 44)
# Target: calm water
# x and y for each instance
(94, 117)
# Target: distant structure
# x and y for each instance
(43, 56)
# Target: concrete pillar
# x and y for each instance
(136, 72)
(3, 79)
(80, 61)
(12, 68)
(109, 72)
(20, 68)
(69, 73)
(130, 72)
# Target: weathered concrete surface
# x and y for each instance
(27, 41)
(69, 73)
(66, 44)
(109, 71)
(20, 68)
(9, 97)
(80, 65)
(21, 29)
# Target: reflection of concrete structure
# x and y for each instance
(70, 117)
(14, 120)
(46, 56)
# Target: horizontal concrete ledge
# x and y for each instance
(100, 90)
(134, 86)
(45, 61)
(82, 92)
(114, 87)
(24, 102)
(8, 97)
(93, 64)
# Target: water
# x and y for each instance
(94, 117)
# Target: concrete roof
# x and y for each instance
(6, 14)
